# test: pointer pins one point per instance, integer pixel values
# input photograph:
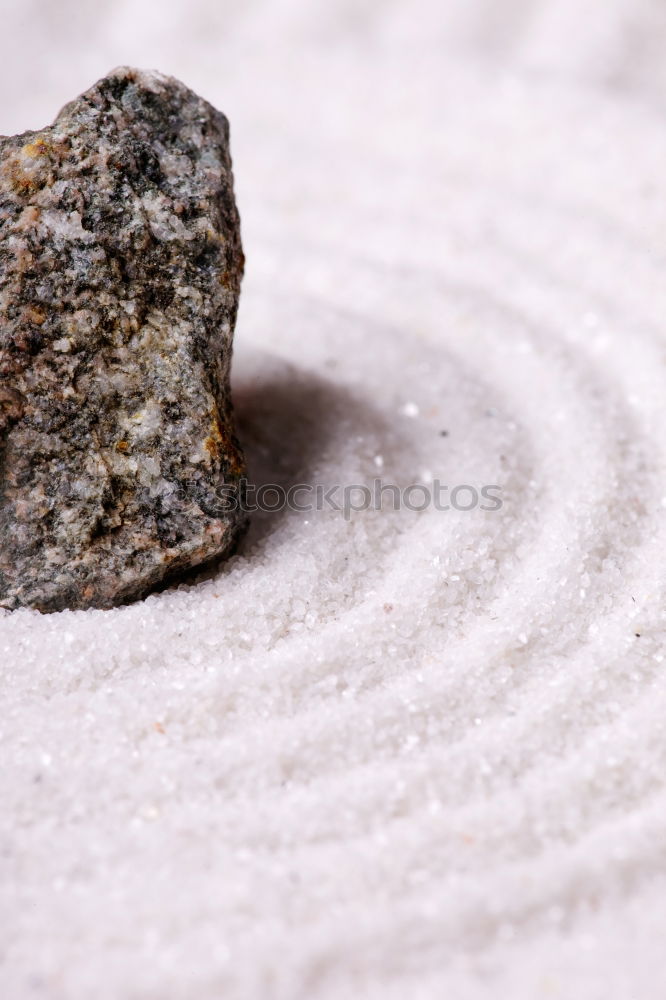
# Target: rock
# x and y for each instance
(120, 269)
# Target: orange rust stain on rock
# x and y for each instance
(220, 445)
(37, 148)
(34, 314)
(26, 177)
(22, 183)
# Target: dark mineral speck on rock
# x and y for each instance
(120, 269)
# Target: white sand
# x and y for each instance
(414, 755)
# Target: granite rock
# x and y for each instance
(120, 270)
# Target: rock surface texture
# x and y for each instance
(120, 269)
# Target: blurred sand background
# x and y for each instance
(408, 755)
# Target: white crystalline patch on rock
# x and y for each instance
(146, 421)
(164, 224)
(66, 225)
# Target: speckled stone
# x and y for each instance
(120, 270)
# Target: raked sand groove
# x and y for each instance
(414, 754)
